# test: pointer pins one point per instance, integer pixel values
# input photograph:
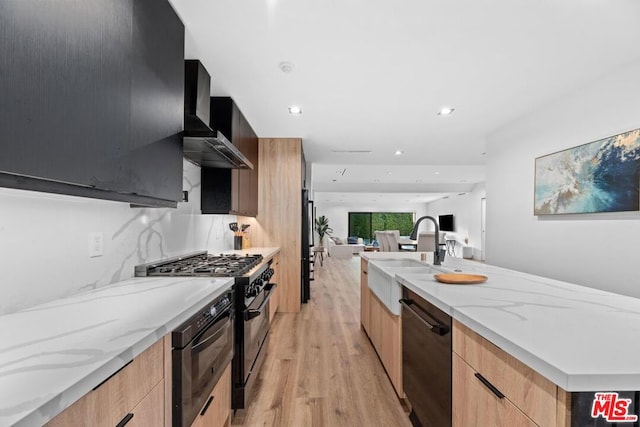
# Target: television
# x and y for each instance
(446, 223)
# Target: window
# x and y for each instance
(365, 224)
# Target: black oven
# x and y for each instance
(202, 348)
(252, 335)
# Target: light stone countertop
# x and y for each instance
(580, 338)
(53, 354)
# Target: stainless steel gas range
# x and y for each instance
(252, 291)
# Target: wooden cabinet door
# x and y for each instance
(385, 332)
(111, 401)
(150, 411)
(364, 295)
(217, 411)
(475, 405)
(527, 389)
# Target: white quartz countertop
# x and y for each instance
(54, 353)
(580, 338)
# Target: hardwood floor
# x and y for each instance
(321, 369)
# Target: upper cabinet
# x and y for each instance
(93, 99)
(233, 191)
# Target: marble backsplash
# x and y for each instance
(44, 240)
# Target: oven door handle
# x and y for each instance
(198, 345)
(250, 314)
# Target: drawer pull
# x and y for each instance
(125, 420)
(490, 386)
(112, 375)
(206, 405)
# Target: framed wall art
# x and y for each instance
(601, 176)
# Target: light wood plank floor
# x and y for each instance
(321, 369)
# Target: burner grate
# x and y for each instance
(207, 265)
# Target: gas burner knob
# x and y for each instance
(213, 311)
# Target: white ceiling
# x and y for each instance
(372, 75)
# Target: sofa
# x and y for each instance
(339, 248)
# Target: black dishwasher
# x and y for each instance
(426, 360)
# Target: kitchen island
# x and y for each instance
(578, 338)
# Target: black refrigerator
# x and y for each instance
(307, 243)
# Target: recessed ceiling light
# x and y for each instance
(446, 111)
(398, 153)
(389, 173)
(286, 67)
(436, 173)
(294, 109)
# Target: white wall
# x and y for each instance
(466, 212)
(44, 240)
(338, 214)
(596, 250)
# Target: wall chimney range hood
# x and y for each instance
(202, 145)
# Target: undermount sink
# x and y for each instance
(382, 278)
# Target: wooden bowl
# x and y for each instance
(460, 279)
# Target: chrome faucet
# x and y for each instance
(414, 236)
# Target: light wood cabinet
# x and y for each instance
(383, 328)
(136, 389)
(474, 404)
(364, 294)
(386, 335)
(217, 411)
(279, 220)
(149, 411)
(522, 387)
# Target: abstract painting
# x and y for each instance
(601, 176)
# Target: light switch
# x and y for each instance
(95, 244)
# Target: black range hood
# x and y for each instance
(202, 145)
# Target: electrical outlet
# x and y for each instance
(95, 244)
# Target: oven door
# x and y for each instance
(198, 366)
(256, 328)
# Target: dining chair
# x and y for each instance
(393, 240)
(426, 241)
(385, 241)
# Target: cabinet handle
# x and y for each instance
(490, 386)
(206, 405)
(112, 375)
(125, 420)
